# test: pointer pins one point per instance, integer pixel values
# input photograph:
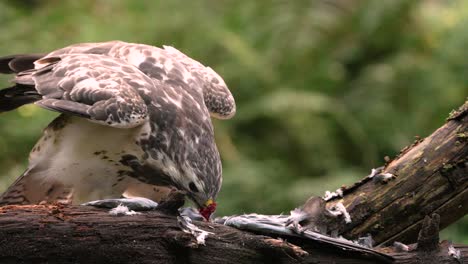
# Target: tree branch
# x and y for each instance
(431, 176)
(80, 234)
(71, 234)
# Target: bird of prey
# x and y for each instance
(135, 121)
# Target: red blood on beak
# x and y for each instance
(208, 210)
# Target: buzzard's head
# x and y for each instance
(201, 175)
(204, 200)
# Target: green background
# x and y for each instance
(324, 89)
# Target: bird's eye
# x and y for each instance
(192, 187)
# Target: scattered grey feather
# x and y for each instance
(454, 253)
(185, 223)
(122, 210)
(136, 203)
(400, 247)
(330, 195)
(365, 241)
(340, 209)
(276, 224)
(383, 177)
(375, 172)
(191, 213)
(294, 222)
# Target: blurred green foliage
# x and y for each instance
(325, 89)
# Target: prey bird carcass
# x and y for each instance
(135, 122)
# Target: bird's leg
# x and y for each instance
(134, 203)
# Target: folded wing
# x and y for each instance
(100, 88)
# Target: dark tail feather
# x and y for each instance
(22, 93)
(18, 63)
(16, 96)
(4, 61)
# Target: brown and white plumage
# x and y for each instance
(134, 117)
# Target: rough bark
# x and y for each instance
(441, 256)
(78, 234)
(431, 176)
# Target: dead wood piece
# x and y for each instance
(430, 176)
(277, 244)
(32, 234)
(440, 256)
(428, 239)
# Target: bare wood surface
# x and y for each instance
(431, 176)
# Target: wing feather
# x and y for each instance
(170, 66)
(98, 87)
